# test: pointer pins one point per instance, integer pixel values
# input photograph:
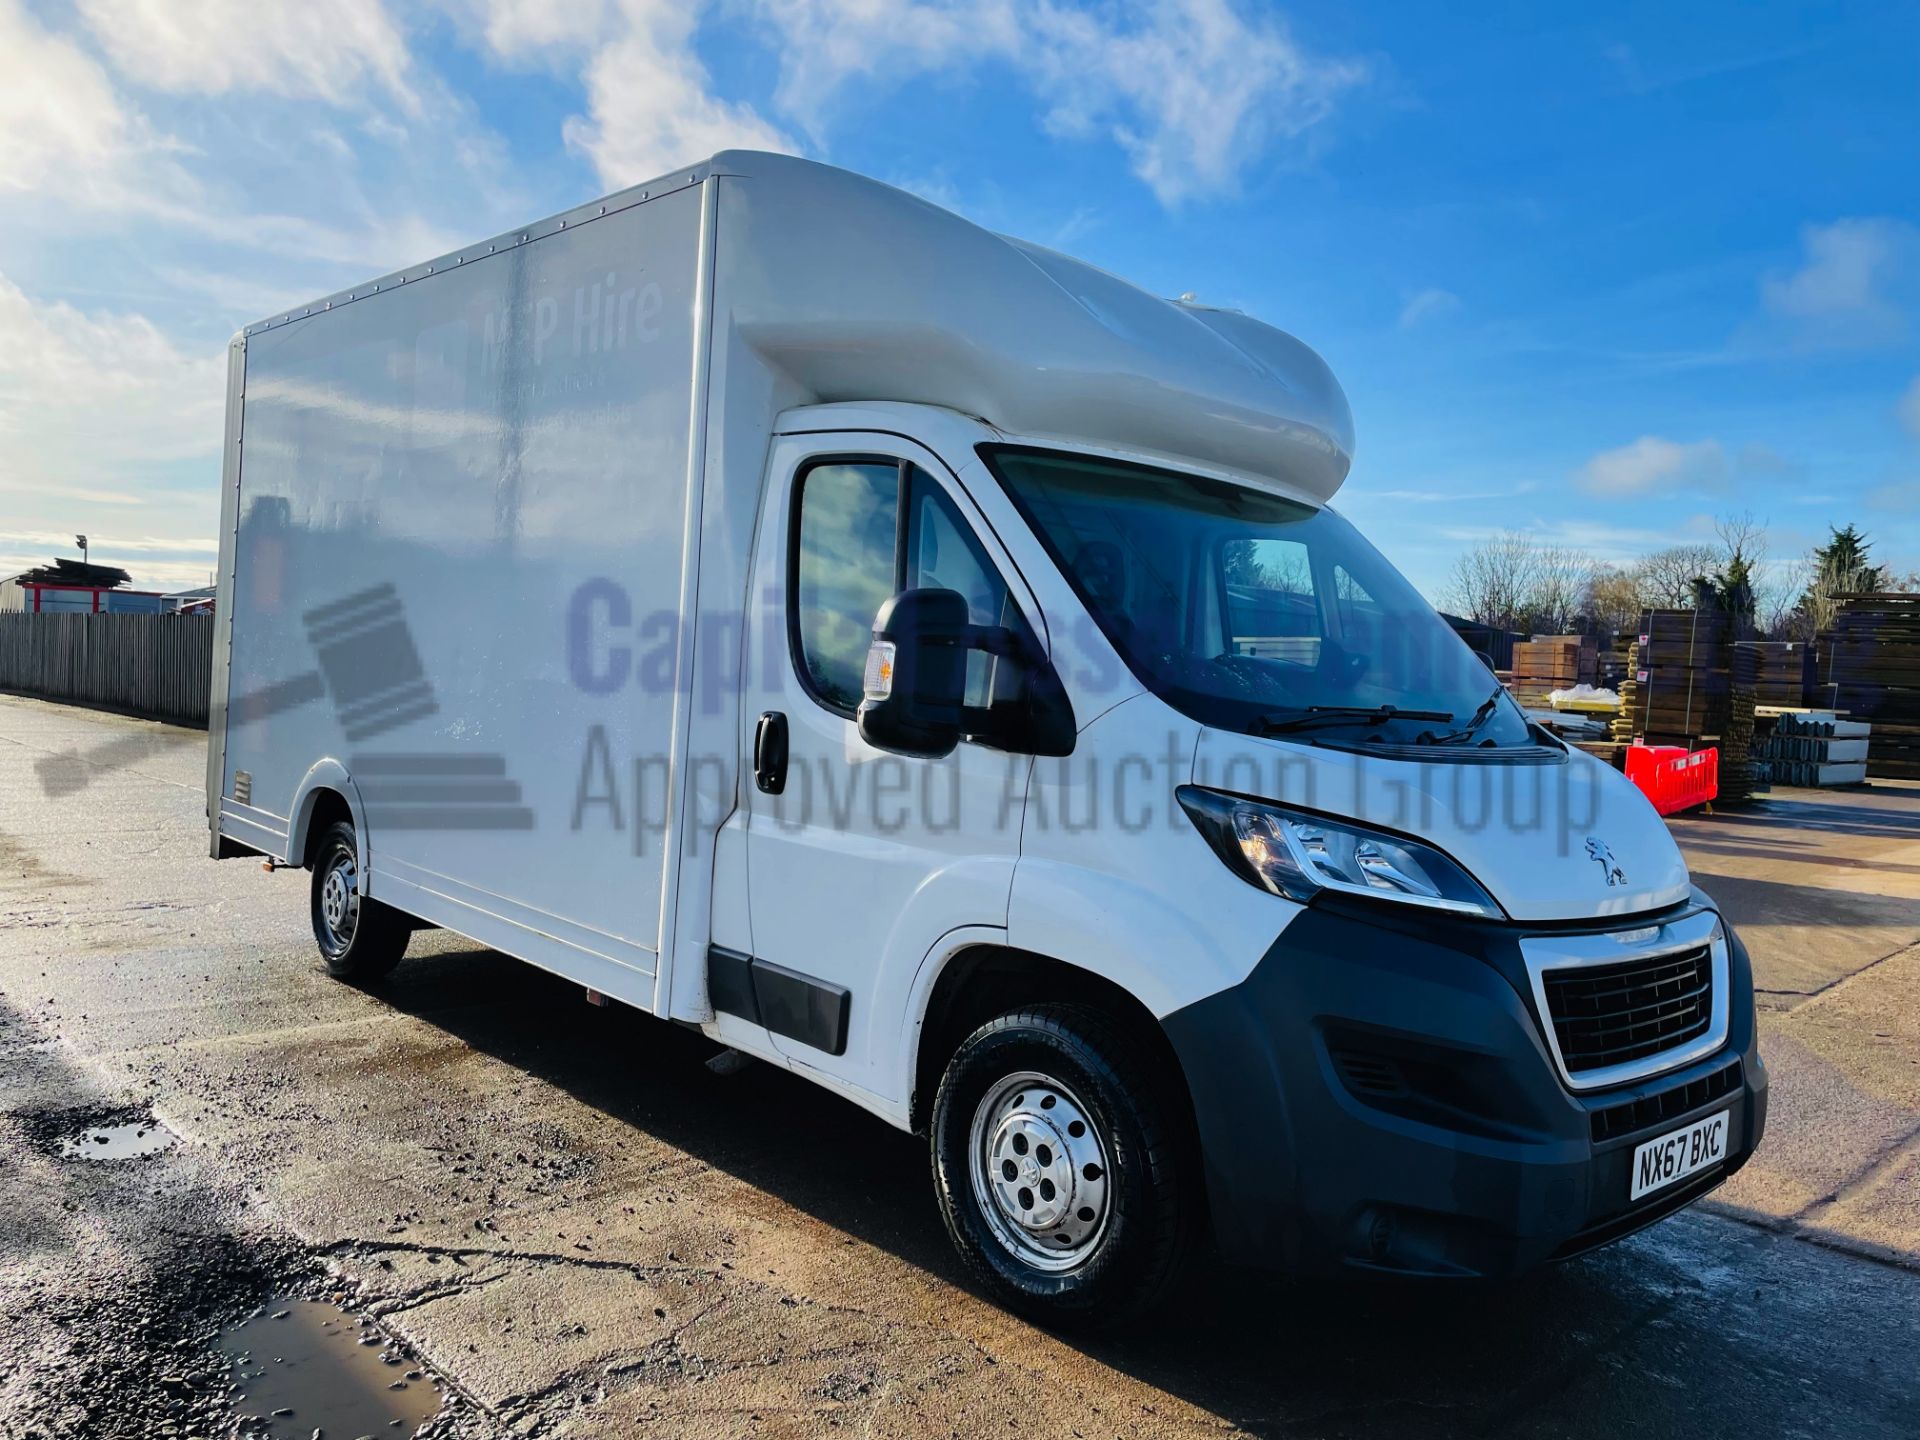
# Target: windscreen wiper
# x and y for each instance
(1467, 731)
(1315, 716)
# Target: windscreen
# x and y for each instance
(1253, 612)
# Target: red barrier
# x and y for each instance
(1672, 778)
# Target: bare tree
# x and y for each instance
(1743, 550)
(1777, 598)
(1490, 582)
(1614, 598)
(1742, 539)
(1558, 579)
(1667, 576)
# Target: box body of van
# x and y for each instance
(929, 664)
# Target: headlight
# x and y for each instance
(1299, 855)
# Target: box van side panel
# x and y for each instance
(459, 548)
(223, 610)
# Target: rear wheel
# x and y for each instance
(1060, 1154)
(359, 938)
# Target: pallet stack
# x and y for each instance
(1689, 684)
(1785, 672)
(1869, 668)
(1552, 662)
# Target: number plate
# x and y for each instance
(1674, 1156)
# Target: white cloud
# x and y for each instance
(63, 129)
(326, 49)
(1428, 305)
(649, 108)
(516, 27)
(1910, 407)
(98, 412)
(1652, 464)
(650, 103)
(1839, 294)
(87, 398)
(1194, 92)
(68, 135)
(825, 44)
(239, 299)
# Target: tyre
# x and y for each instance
(359, 938)
(1064, 1165)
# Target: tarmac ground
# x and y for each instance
(553, 1219)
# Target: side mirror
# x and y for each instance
(916, 680)
(1487, 660)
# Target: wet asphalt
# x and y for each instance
(567, 1225)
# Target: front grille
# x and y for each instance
(1650, 1110)
(1606, 1015)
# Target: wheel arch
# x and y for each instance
(978, 978)
(326, 794)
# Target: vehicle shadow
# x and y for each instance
(1264, 1353)
(1771, 848)
(1883, 810)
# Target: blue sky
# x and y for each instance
(1596, 273)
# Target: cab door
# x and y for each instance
(858, 860)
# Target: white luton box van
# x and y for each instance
(932, 665)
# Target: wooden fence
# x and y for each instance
(160, 666)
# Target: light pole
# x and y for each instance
(83, 548)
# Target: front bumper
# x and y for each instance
(1377, 1094)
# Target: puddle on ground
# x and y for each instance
(127, 1141)
(302, 1367)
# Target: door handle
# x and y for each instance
(770, 753)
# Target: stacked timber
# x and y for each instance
(1614, 663)
(1678, 688)
(1552, 662)
(1785, 671)
(1740, 777)
(1869, 668)
(1688, 684)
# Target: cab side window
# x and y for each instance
(846, 520)
(944, 555)
(863, 530)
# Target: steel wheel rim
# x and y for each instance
(1039, 1170)
(340, 900)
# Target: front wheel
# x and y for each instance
(359, 938)
(1062, 1158)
